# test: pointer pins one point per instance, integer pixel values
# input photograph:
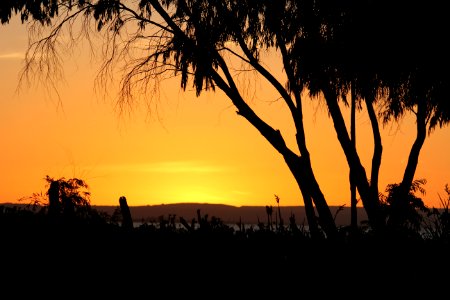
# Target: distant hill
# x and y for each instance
(227, 213)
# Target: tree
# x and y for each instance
(411, 219)
(67, 197)
(127, 220)
(325, 48)
(192, 39)
(423, 72)
(380, 51)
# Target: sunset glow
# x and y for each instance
(177, 147)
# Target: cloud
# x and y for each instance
(12, 55)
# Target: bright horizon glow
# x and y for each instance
(185, 149)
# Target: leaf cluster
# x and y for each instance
(43, 10)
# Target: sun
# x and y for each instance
(196, 194)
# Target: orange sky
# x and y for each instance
(186, 149)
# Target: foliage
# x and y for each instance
(73, 190)
(421, 224)
(66, 200)
(417, 222)
(405, 216)
(437, 224)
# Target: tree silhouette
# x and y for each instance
(67, 196)
(127, 220)
(411, 215)
(381, 51)
(325, 47)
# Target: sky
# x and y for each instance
(176, 147)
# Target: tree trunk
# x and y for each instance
(296, 170)
(300, 166)
(303, 174)
(359, 174)
(353, 201)
(53, 199)
(413, 158)
(377, 151)
(310, 183)
(127, 221)
(400, 201)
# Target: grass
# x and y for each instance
(91, 252)
(71, 249)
